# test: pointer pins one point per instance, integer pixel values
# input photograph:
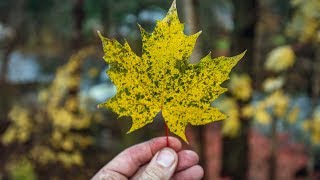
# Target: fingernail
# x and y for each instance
(165, 158)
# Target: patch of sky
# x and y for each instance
(23, 68)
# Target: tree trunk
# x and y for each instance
(5, 62)
(77, 42)
(316, 76)
(315, 90)
(235, 154)
(235, 150)
(78, 13)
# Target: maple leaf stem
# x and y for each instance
(167, 134)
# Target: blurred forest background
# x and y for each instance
(52, 76)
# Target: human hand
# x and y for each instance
(153, 160)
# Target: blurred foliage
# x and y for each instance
(305, 24)
(232, 124)
(240, 89)
(21, 127)
(50, 126)
(240, 86)
(273, 83)
(21, 169)
(279, 59)
(312, 128)
(55, 125)
(275, 104)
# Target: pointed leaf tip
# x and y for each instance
(243, 53)
(239, 56)
(100, 35)
(173, 7)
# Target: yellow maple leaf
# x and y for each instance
(163, 80)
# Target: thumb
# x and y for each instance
(162, 165)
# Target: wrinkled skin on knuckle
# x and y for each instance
(106, 174)
(153, 172)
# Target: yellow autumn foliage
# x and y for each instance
(305, 24)
(21, 127)
(93, 72)
(240, 86)
(293, 115)
(69, 159)
(306, 125)
(22, 167)
(276, 105)
(263, 117)
(279, 101)
(231, 125)
(57, 121)
(272, 84)
(312, 127)
(280, 59)
(43, 154)
(247, 111)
